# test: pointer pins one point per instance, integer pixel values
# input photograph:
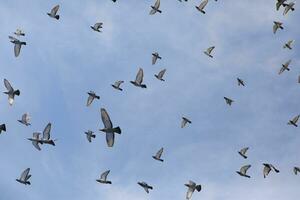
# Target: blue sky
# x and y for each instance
(65, 59)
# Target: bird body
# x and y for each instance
(185, 121)
(90, 135)
(228, 101)
(155, 56)
(288, 45)
(97, 27)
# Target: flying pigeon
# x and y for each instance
(155, 56)
(192, 186)
(2, 128)
(97, 27)
(276, 26)
(296, 170)
(288, 44)
(268, 168)
(202, 6)
(90, 135)
(35, 140)
(284, 67)
(208, 51)
(145, 186)
(294, 121)
(139, 79)
(92, 96)
(280, 3)
(243, 171)
(10, 92)
(103, 178)
(185, 121)
(155, 8)
(160, 75)
(243, 152)
(117, 84)
(108, 128)
(24, 178)
(53, 12)
(18, 45)
(288, 7)
(25, 119)
(19, 32)
(240, 82)
(228, 101)
(158, 155)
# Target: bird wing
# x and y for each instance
(13, 39)
(89, 138)
(275, 27)
(287, 63)
(244, 169)
(286, 9)
(24, 117)
(190, 192)
(161, 73)
(157, 4)
(183, 122)
(146, 189)
(154, 58)
(46, 132)
(118, 83)
(36, 145)
(139, 76)
(296, 170)
(152, 12)
(105, 118)
(295, 119)
(54, 10)
(159, 153)
(98, 25)
(17, 49)
(290, 42)
(110, 139)
(36, 135)
(244, 150)
(203, 4)
(8, 86)
(282, 69)
(89, 100)
(104, 175)
(24, 174)
(266, 171)
(210, 49)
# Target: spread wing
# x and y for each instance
(98, 25)
(189, 193)
(295, 119)
(161, 73)
(46, 132)
(266, 171)
(89, 138)
(203, 4)
(290, 42)
(154, 58)
(244, 150)
(244, 169)
(210, 49)
(139, 76)
(287, 63)
(8, 86)
(159, 153)
(104, 175)
(157, 4)
(183, 123)
(17, 49)
(118, 83)
(24, 174)
(13, 39)
(36, 145)
(282, 69)
(54, 10)
(110, 139)
(275, 27)
(105, 119)
(89, 100)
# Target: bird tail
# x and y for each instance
(198, 188)
(159, 11)
(2, 127)
(57, 17)
(97, 97)
(150, 187)
(93, 136)
(143, 86)
(17, 92)
(117, 130)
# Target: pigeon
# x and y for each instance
(46, 136)
(288, 7)
(288, 44)
(280, 3)
(155, 56)
(160, 75)
(35, 140)
(268, 168)
(284, 67)
(155, 8)
(24, 178)
(18, 45)
(145, 186)
(10, 92)
(192, 186)
(208, 51)
(139, 79)
(158, 155)
(53, 12)
(240, 82)
(90, 135)
(2, 128)
(97, 27)
(185, 121)
(296, 170)
(243, 152)
(117, 84)
(19, 32)
(294, 121)
(92, 96)
(25, 119)
(103, 178)
(243, 171)
(202, 6)
(108, 128)
(228, 101)
(276, 26)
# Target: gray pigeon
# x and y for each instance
(19, 32)
(192, 186)
(296, 170)
(228, 101)
(288, 7)
(10, 92)
(240, 82)
(160, 75)
(108, 128)
(25, 119)
(139, 79)
(36, 140)
(18, 44)
(2, 128)
(145, 186)
(24, 178)
(294, 121)
(90, 135)
(208, 51)
(155, 8)
(155, 56)
(103, 178)
(158, 155)
(276, 26)
(284, 67)
(202, 6)
(288, 45)
(268, 168)
(243, 171)
(92, 96)
(243, 152)
(97, 27)
(117, 84)
(53, 12)
(185, 121)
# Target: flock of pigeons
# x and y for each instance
(110, 130)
